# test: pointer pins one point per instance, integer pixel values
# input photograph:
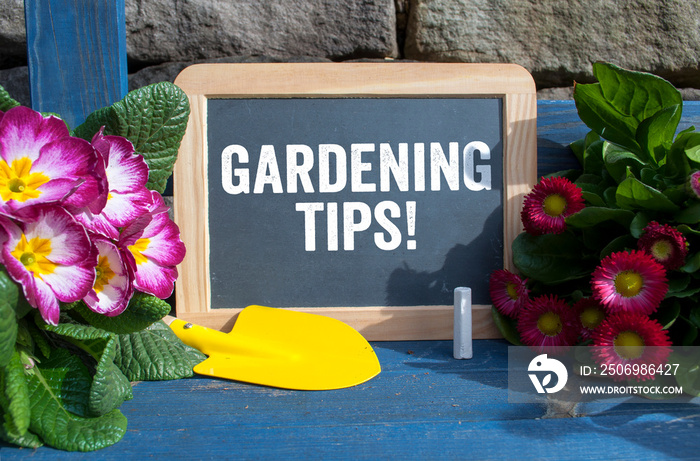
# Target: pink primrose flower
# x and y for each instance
(51, 256)
(113, 287)
(154, 249)
(127, 197)
(41, 163)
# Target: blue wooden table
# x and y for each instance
(423, 405)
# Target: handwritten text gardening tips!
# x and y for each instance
(359, 168)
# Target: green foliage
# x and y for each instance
(8, 318)
(635, 169)
(143, 310)
(59, 388)
(155, 354)
(154, 119)
(63, 385)
(6, 101)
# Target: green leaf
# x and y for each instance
(154, 119)
(592, 216)
(692, 263)
(550, 258)
(109, 387)
(143, 310)
(615, 107)
(689, 214)
(633, 194)
(638, 224)
(600, 116)
(58, 390)
(8, 332)
(667, 313)
(620, 243)
(14, 398)
(593, 157)
(28, 440)
(655, 134)
(507, 327)
(689, 144)
(8, 318)
(688, 373)
(619, 162)
(6, 101)
(155, 354)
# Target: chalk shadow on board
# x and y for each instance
(410, 287)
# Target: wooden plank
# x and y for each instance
(424, 405)
(408, 80)
(77, 55)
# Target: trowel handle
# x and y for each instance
(204, 339)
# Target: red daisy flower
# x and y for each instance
(631, 346)
(548, 324)
(665, 244)
(548, 204)
(590, 313)
(508, 292)
(629, 282)
(694, 183)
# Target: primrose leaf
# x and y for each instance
(28, 440)
(109, 387)
(633, 194)
(58, 389)
(143, 310)
(8, 332)
(14, 398)
(549, 258)
(615, 107)
(155, 354)
(8, 318)
(6, 101)
(154, 119)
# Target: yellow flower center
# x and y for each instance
(137, 248)
(549, 324)
(512, 290)
(554, 205)
(591, 317)
(104, 274)
(629, 283)
(661, 250)
(33, 255)
(629, 345)
(17, 182)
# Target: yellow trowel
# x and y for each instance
(282, 348)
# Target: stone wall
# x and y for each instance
(556, 40)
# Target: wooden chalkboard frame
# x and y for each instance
(512, 83)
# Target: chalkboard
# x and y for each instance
(367, 192)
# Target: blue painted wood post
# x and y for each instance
(77, 55)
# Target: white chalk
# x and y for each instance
(462, 342)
